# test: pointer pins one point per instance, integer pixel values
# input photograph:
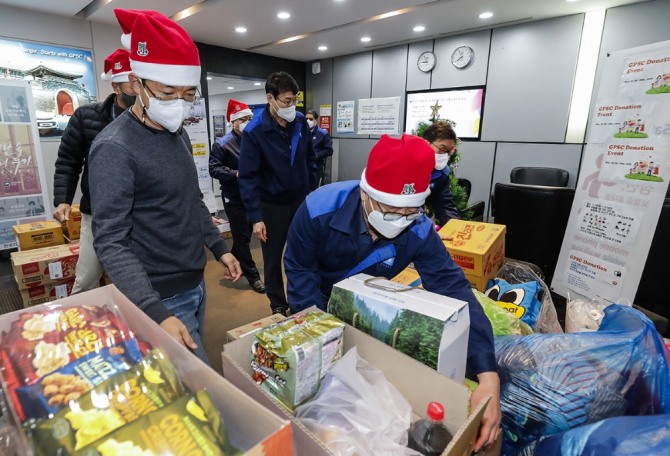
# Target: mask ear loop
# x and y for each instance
(370, 283)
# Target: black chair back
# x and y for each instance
(554, 177)
(536, 217)
(651, 291)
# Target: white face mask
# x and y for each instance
(441, 161)
(168, 114)
(387, 229)
(311, 123)
(242, 126)
(288, 114)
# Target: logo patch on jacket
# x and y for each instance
(388, 262)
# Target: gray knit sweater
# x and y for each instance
(149, 222)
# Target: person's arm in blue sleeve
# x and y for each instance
(249, 178)
(301, 262)
(311, 159)
(444, 205)
(326, 149)
(217, 164)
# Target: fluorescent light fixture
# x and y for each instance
(585, 76)
(366, 39)
(292, 38)
(230, 88)
(209, 78)
(390, 14)
(419, 28)
(241, 29)
(283, 15)
(257, 83)
(486, 15)
(323, 48)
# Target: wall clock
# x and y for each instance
(462, 57)
(426, 62)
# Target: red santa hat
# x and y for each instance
(237, 109)
(126, 18)
(162, 51)
(117, 66)
(398, 171)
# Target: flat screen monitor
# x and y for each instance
(462, 106)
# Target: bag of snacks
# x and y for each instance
(291, 358)
(144, 388)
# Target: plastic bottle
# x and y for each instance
(428, 435)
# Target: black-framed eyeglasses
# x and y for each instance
(289, 103)
(186, 96)
(444, 149)
(391, 216)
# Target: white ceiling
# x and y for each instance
(337, 24)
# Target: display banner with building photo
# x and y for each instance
(62, 79)
(23, 188)
(623, 179)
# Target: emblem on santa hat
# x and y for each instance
(398, 171)
(237, 109)
(117, 66)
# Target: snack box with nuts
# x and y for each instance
(44, 266)
(256, 431)
(38, 234)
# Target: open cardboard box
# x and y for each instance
(417, 382)
(249, 426)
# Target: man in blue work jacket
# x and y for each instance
(277, 171)
(375, 226)
(321, 142)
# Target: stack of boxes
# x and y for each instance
(44, 267)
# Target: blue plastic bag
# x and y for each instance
(551, 383)
(519, 299)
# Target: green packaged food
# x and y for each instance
(189, 426)
(290, 358)
(144, 388)
(503, 322)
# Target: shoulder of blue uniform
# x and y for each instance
(422, 227)
(224, 139)
(321, 130)
(329, 197)
(255, 121)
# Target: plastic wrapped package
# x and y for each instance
(583, 316)
(358, 412)
(625, 435)
(551, 383)
(518, 272)
(502, 322)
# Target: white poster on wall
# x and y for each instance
(378, 116)
(23, 188)
(622, 181)
(345, 116)
(196, 127)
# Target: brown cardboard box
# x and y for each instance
(46, 293)
(421, 387)
(45, 266)
(250, 427)
(253, 327)
(73, 225)
(36, 235)
(478, 248)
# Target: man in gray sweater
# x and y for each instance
(149, 222)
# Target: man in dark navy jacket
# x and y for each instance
(323, 146)
(277, 171)
(375, 226)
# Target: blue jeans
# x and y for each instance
(189, 308)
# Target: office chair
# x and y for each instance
(536, 217)
(651, 291)
(478, 207)
(553, 177)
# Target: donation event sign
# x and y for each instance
(622, 181)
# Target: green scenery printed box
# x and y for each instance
(431, 328)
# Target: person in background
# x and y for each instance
(149, 221)
(442, 138)
(277, 171)
(223, 165)
(84, 125)
(375, 226)
(323, 146)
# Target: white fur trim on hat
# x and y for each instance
(125, 40)
(392, 199)
(174, 75)
(241, 113)
(106, 76)
(121, 77)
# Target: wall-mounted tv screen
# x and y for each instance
(463, 107)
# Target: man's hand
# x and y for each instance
(231, 267)
(62, 212)
(174, 327)
(260, 232)
(489, 383)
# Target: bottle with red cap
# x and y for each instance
(429, 436)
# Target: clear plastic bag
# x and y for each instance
(518, 272)
(358, 412)
(582, 316)
(551, 383)
(502, 322)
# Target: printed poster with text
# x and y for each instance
(623, 179)
(196, 127)
(378, 116)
